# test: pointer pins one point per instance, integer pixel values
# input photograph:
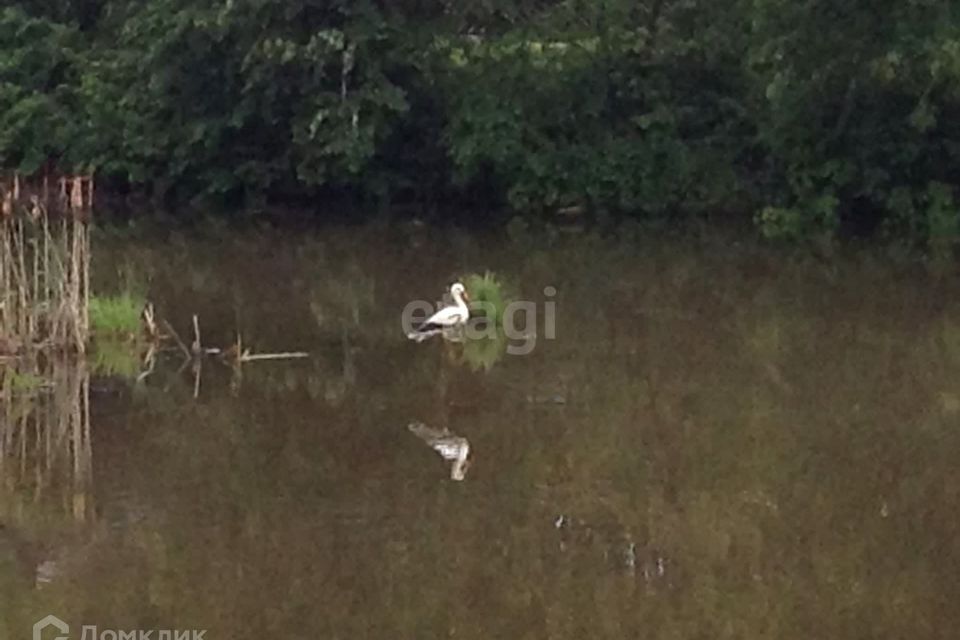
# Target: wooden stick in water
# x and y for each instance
(197, 366)
(287, 355)
(149, 321)
(176, 338)
(196, 347)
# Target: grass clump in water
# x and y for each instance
(115, 357)
(116, 323)
(116, 315)
(481, 354)
(488, 296)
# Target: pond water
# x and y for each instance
(721, 441)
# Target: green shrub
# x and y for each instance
(816, 218)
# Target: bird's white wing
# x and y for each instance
(446, 317)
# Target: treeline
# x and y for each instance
(812, 116)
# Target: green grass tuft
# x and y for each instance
(116, 315)
(488, 296)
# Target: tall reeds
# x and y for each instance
(45, 441)
(44, 264)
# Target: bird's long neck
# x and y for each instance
(458, 298)
(459, 469)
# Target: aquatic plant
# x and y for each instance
(23, 381)
(113, 356)
(117, 315)
(480, 354)
(45, 441)
(488, 296)
(44, 260)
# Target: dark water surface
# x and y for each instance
(721, 442)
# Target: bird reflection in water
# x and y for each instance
(452, 447)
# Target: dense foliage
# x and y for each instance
(812, 116)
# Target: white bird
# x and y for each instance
(447, 318)
(451, 447)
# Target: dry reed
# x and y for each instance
(44, 264)
(45, 440)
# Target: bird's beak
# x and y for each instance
(466, 296)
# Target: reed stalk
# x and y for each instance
(44, 264)
(45, 438)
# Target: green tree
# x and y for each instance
(38, 97)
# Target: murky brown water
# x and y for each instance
(721, 442)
